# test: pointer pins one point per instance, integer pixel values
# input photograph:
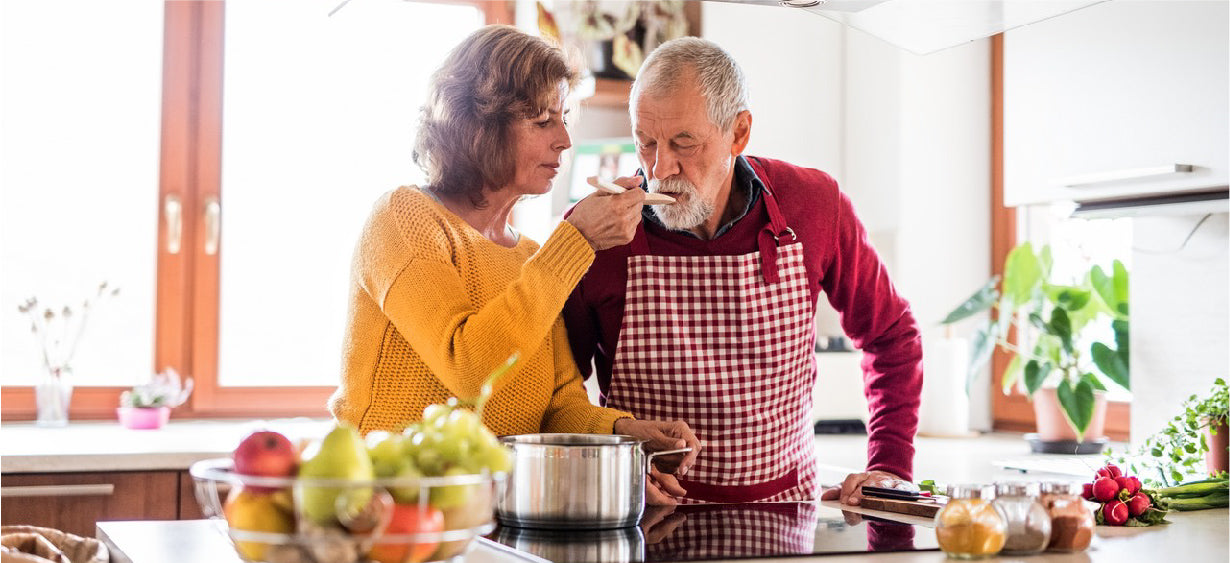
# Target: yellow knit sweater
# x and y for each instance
(435, 307)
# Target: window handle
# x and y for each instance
(213, 224)
(172, 212)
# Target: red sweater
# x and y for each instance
(840, 262)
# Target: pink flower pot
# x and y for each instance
(151, 418)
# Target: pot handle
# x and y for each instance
(649, 458)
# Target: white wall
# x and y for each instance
(1180, 314)
(906, 136)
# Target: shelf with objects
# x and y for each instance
(613, 38)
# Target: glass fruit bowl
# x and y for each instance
(318, 520)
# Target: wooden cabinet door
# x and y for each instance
(1105, 101)
(75, 502)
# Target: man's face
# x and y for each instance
(684, 155)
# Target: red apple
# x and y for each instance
(409, 519)
(265, 453)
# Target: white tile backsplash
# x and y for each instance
(1180, 314)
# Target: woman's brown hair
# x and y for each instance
(496, 76)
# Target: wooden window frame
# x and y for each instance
(187, 282)
(1014, 412)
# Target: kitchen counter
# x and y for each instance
(1193, 537)
(107, 446)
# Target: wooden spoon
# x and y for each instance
(651, 198)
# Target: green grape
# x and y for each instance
(497, 459)
(452, 495)
(387, 452)
(434, 413)
(463, 422)
(406, 493)
(453, 450)
(427, 453)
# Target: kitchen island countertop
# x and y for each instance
(1195, 537)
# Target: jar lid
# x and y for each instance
(1061, 488)
(1016, 489)
(970, 490)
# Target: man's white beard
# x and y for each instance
(682, 215)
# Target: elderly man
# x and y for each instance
(707, 315)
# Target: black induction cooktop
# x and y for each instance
(701, 532)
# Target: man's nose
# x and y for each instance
(664, 165)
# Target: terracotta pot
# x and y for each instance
(1215, 460)
(1053, 423)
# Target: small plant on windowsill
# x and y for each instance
(148, 406)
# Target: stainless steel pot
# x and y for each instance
(580, 481)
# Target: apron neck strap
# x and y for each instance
(770, 236)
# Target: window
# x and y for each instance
(273, 144)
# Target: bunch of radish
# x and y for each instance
(1123, 502)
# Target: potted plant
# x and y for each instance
(148, 406)
(1194, 438)
(1064, 368)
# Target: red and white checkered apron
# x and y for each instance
(724, 343)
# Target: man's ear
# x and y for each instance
(743, 132)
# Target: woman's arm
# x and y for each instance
(570, 409)
(427, 302)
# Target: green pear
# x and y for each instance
(341, 456)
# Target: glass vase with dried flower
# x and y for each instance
(148, 406)
(59, 331)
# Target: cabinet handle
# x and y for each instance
(213, 226)
(99, 490)
(172, 211)
(1125, 174)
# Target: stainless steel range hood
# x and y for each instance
(927, 26)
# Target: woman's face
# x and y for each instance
(538, 143)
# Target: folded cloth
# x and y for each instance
(32, 544)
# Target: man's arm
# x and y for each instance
(879, 322)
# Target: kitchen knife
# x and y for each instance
(896, 494)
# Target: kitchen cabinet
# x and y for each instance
(75, 502)
(1104, 102)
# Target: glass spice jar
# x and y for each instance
(969, 527)
(1072, 521)
(1028, 522)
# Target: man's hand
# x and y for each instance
(661, 436)
(851, 491)
(662, 489)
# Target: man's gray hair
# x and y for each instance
(720, 79)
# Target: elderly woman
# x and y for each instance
(444, 290)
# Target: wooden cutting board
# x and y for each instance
(923, 509)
